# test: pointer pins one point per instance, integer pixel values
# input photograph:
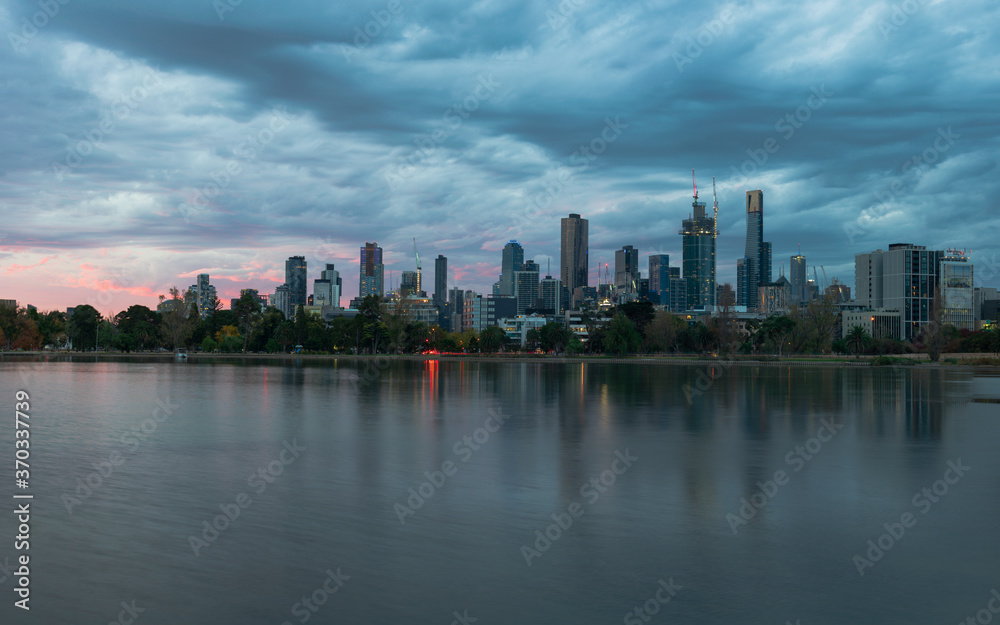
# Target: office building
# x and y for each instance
(201, 294)
(526, 286)
(957, 293)
(678, 291)
(901, 278)
(484, 312)
(550, 295)
(698, 235)
(372, 271)
(574, 265)
(441, 280)
(409, 284)
(754, 269)
(797, 275)
(327, 289)
(512, 260)
(659, 279)
(626, 272)
(774, 297)
(281, 301)
(295, 278)
(456, 309)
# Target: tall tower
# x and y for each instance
(797, 273)
(626, 270)
(372, 271)
(698, 234)
(441, 280)
(295, 278)
(574, 265)
(754, 269)
(513, 260)
(659, 278)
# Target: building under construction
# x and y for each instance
(699, 232)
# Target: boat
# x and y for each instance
(182, 353)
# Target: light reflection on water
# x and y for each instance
(371, 433)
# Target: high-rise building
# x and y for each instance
(202, 294)
(281, 301)
(574, 265)
(626, 271)
(526, 286)
(678, 291)
(698, 234)
(550, 294)
(659, 279)
(513, 259)
(409, 283)
(372, 271)
(902, 278)
(957, 292)
(295, 278)
(327, 289)
(456, 308)
(754, 269)
(797, 273)
(441, 280)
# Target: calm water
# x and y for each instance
(337, 504)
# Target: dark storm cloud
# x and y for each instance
(465, 126)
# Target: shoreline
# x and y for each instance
(962, 360)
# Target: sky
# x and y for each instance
(146, 143)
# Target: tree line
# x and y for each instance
(381, 327)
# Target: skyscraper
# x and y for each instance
(513, 259)
(295, 278)
(526, 286)
(574, 266)
(698, 234)
(626, 270)
(409, 284)
(754, 269)
(441, 280)
(550, 293)
(203, 293)
(327, 288)
(372, 271)
(659, 278)
(797, 273)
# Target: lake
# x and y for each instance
(441, 492)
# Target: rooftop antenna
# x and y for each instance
(715, 205)
(695, 185)
(548, 266)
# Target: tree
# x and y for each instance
(82, 327)
(554, 336)
(639, 313)
(725, 322)
(621, 337)
(138, 323)
(662, 332)
(8, 324)
(247, 314)
(776, 330)
(176, 324)
(492, 339)
(208, 345)
(857, 339)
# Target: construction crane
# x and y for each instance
(826, 282)
(695, 185)
(715, 206)
(415, 254)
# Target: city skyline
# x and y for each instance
(135, 164)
